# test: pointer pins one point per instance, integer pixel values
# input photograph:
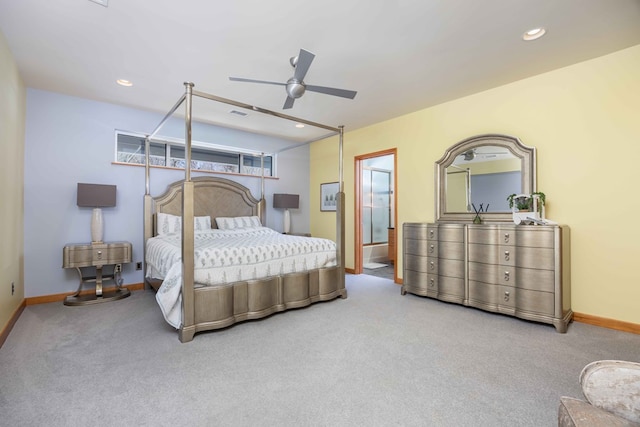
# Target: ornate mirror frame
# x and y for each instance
(526, 154)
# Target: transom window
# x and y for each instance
(130, 148)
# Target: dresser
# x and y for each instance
(521, 271)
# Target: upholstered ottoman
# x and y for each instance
(612, 390)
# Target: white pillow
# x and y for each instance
(167, 223)
(238, 222)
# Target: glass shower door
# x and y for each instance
(376, 206)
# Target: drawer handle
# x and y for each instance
(506, 255)
(506, 237)
(432, 266)
(432, 282)
(99, 254)
(506, 276)
(431, 248)
(506, 296)
(431, 233)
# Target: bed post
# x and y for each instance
(147, 211)
(262, 206)
(340, 212)
(187, 329)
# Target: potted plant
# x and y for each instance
(524, 204)
(542, 198)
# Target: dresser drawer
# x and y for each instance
(536, 237)
(420, 247)
(420, 283)
(503, 235)
(537, 258)
(96, 255)
(451, 233)
(535, 302)
(415, 263)
(451, 289)
(518, 256)
(480, 272)
(449, 250)
(526, 278)
(417, 231)
(449, 268)
(77, 256)
(483, 295)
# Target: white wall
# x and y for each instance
(70, 140)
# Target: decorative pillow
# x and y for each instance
(168, 223)
(238, 222)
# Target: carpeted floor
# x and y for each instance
(374, 359)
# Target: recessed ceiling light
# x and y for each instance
(123, 82)
(534, 34)
(299, 125)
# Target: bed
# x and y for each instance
(198, 257)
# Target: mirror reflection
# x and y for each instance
(481, 177)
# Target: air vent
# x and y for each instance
(237, 113)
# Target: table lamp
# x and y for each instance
(286, 202)
(96, 196)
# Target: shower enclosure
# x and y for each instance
(376, 205)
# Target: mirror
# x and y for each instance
(478, 173)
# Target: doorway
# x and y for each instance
(376, 207)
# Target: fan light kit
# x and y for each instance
(295, 86)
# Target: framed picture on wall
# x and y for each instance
(328, 193)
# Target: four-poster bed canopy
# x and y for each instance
(316, 274)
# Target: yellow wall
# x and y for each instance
(585, 122)
(12, 118)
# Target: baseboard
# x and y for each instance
(618, 325)
(350, 270)
(12, 321)
(44, 299)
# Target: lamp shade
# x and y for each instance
(96, 195)
(286, 201)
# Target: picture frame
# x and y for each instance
(328, 192)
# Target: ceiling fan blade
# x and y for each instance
(240, 79)
(288, 103)
(305, 58)
(332, 91)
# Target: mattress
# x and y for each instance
(227, 256)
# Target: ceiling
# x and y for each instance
(399, 55)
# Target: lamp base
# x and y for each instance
(287, 221)
(97, 226)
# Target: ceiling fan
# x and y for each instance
(295, 86)
(471, 154)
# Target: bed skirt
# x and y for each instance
(221, 306)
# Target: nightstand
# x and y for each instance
(89, 260)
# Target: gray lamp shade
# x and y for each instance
(96, 195)
(286, 201)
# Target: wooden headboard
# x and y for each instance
(213, 196)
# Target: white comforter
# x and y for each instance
(230, 256)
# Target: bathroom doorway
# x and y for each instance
(376, 206)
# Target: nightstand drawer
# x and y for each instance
(86, 255)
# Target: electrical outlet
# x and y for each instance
(13, 288)
(138, 265)
(117, 268)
